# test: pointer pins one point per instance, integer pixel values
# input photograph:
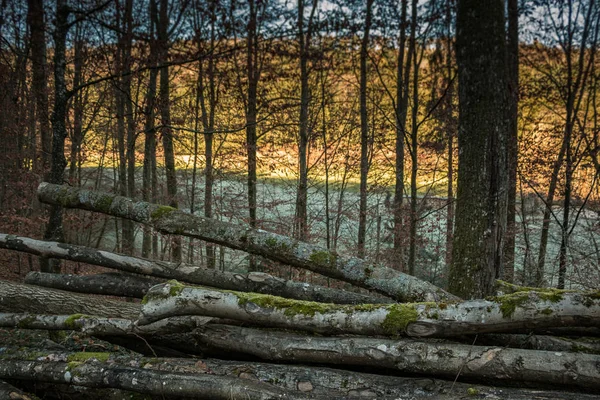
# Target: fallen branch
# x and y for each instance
(252, 282)
(519, 311)
(109, 284)
(22, 298)
(395, 284)
(446, 360)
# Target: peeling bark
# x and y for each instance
(18, 298)
(276, 247)
(252, 282)
(520, 311)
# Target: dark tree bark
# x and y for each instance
(512, 147)
(482, 175)
(54, 228)
(149, 169)
(304, 42)
(165, 115)
(364, 133)
(37, 29)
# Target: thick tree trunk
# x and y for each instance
(17, 297)
(482, 175)
(109, 284)
(416, 357)
(252, 282)
(255, 241)
(542, 342)
(517, 312)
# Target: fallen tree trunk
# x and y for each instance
(519, 311)
(409, 356)
(100, 326)
(8, 391)
(318, 382)
(22, 298)
(589, 345)
(109, 284)
(140, 380)
(252, 282)
(390, 282)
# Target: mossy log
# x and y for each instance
(316, 381)
(428, 358)
(109, 284)
(252, 282)
(140, 380)
(519, 311)
(387, 281)
(8, 391)
(100, 326)
(23, 298)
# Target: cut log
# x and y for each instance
(22, 298)
(109, 284)
(100, 326)
(318, 382)
(252, 282)
(387, 281)
(443, 360)
(8, 391)
(519, 311)
(140, 380)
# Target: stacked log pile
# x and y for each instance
(201, 333)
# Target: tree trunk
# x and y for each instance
(140, 380)
(255, 241)
(54, 230)
(149, 170)
(512, 47)
(408, 356)
(516, 312)
(165, 114)
(108, 284)
(364, 134)
(39, 84)
(482, 178)
(16, 297)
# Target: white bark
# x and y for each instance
(520, 311)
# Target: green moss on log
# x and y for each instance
(70, 322)
(510, 302)
(323, 258)
(161, 211)
(175, 288)
(398, 318)
(290, 307)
